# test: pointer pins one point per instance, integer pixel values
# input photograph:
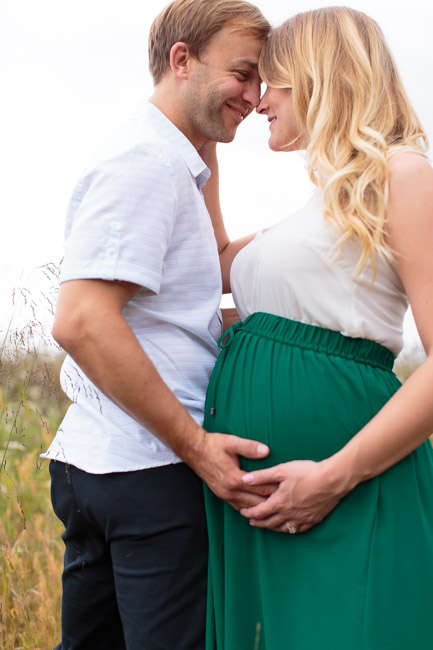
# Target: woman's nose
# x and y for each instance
(263, 104)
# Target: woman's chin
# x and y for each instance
(274, 147)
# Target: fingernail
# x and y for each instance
(262, 449)
(248, 478)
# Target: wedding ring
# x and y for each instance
(291, 528)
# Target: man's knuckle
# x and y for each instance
(232, 483)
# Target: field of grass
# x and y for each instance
(31, 407)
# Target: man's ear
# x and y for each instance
(180, 60)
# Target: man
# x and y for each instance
(138, 316)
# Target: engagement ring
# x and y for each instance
(291, 528)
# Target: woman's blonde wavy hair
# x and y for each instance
(351, 110)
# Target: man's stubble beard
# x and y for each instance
(205, 109)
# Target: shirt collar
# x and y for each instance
(169, 132)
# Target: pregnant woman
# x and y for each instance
(340, 556)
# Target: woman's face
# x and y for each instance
(277, 104)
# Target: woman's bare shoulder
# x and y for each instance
(410, 200)
(408, 162)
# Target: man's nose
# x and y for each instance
(252, 94)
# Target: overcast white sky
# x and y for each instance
(73, 69)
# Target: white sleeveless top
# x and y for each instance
(290, 271)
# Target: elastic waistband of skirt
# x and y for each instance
(317, 338)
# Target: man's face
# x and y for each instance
(224, 86)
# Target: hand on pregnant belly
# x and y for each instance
(305, 495)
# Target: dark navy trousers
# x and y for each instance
(135, 569)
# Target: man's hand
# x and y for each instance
(216, 461)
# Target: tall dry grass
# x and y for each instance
(31, 407)
(31, 548)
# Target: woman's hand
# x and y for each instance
(307, 492)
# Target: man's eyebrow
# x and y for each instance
(251, 64)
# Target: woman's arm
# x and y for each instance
(230, 316)
(227, 250)
(308, 491)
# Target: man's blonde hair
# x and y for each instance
(195, 22)
(351, 109)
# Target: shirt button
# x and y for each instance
(115, 226)
(111, 251)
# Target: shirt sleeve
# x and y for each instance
(121, 219)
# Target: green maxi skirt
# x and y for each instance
(363, 578)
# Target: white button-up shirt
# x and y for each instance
(138, 215)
